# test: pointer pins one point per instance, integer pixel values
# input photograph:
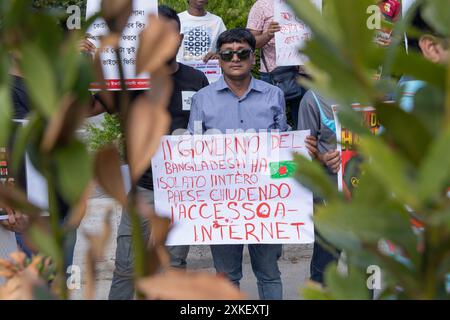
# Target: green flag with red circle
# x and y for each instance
(282, 169)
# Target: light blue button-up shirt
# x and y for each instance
(262, 107)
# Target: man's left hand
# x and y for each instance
(311, 145)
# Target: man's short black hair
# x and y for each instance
(236, 35)
(168, 13)
(422, 27)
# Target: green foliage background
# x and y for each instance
(57, 3)
(234, 12)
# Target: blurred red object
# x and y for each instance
(391, 9)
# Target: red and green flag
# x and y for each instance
(282, 169)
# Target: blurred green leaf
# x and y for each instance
(386, 219)
(357, 38)
(415, 65)
(353, 120)
(40, 80)
(434, 175)
(69, 61)
(395, 123)
(42, 293)
(352, 286)
(26, 134)
(6, 114)
(312, 175)
(336, 231)
(314, 291)
(364, 223)
(390, 169)
(429, 109)
(45, 242)
(74, 168)
(436, 17)
(323, 31)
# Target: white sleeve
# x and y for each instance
(221, 28)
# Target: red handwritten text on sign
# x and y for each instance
(236, 188)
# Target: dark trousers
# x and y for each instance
(321, 259)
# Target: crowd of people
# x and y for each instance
(230, 103)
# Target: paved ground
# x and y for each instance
(294, 263)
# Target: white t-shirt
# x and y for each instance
(200, 35)
(7, 245)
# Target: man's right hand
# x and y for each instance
(86, 46)
(16, 222)
(273, 28)
(332, 159)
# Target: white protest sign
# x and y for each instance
(406, 4)
(292, 36)
(37, 189)
(211, 69)
(128, 45)
(233, 189)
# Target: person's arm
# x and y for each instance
(257, 17)
(309, 119)
(263, 37)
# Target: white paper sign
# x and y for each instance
(37, 190)
(186, 97)
(128, 45)
(292, 36)
(211, 69)
(233, 189)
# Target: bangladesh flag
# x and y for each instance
(282, 169)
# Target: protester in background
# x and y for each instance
(18, 222)
(316, 115)
(234, 102)
(201, 30)
(433, 46)
(263, 26)
(187, 81)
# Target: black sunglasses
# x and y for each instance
(242, 54)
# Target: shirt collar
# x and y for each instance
(254, 85)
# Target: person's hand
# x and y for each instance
(273, 28)
(311, 145)
(210, 56)
(332, 159)
(87, 47)
(16, 222)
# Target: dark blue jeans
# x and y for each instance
(69, 247)
(264, 260)
(70, 237)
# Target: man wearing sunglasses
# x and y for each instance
(239, 102)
